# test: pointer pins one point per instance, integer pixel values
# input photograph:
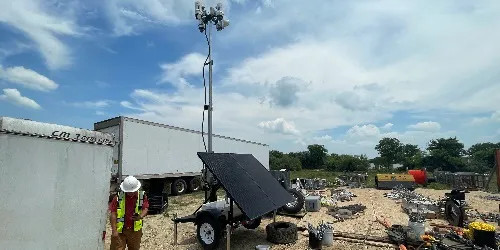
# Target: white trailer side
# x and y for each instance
(150, 150)
(55, 185)
(147, 148)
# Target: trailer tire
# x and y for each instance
(281, 232)
(297, 205)
(179, 186)
(252, 224)
(194, 184)
(208, 232)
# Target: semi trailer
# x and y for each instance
(164, 158)
(55, 184)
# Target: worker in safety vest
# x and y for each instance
(128, 209)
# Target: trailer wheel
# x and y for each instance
(208, 232)
(194, 185)
(179, 187)
(251, 224)
(296, 205)
(281, 232)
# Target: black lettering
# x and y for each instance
(54, 133)
(64, 134)
(91, 139)
(84, 138)
(77, 136)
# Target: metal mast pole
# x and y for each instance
(210, 107)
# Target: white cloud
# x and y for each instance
(92, 104)
(369, 130)
(372, 62)
(323, 138)
(14, 96)
(279, 125)
(189, 65)
(426, 126)
(45, 26)
(27, 78)
(387, 126)
(494, 117)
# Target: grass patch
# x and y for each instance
(437, 186)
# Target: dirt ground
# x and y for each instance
(159, 234)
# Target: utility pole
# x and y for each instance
(215, 16)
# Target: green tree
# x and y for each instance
(390, 149)
(446, 154)
(316, 157)
(411, 156)
(286, 161)
(482, 156)
(347, 163)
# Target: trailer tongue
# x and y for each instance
(248, 185)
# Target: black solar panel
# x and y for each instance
(247, 181)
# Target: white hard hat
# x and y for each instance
(130, 184)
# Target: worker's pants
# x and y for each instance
(128, 238)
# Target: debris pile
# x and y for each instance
(413, 202)
(491, 217)
(491, 197)
(346, 212)
(399, 192)
(342, 195)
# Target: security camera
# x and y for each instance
(201, 25)
(222, 24)
(218, 6)
(198, 10)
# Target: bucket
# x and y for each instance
(327, 237)
(417, 229)
(314, 243)
(262, 247)
(313, 203)
(485, 238)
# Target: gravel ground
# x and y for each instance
(158, 229)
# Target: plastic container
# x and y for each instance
(417, 229)
(262, 247)
(327, 237)
(484, 238)
(420, 176)
(314, 243)
(313, 203)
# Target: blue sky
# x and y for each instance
(288, 73)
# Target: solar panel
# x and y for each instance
(247, 181)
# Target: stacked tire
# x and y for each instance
(281, 232)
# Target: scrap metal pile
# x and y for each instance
(342, 195)
(490, 217)
(491, 197)
(413, 202)
(346, 212)
(337, 195)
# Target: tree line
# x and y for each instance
(446, 154)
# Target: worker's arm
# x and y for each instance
(144, 212)
(112, 215)
(112, 220)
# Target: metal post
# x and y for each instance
(175, 230)
(228, 240)
(274, 216)
(210, 107)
